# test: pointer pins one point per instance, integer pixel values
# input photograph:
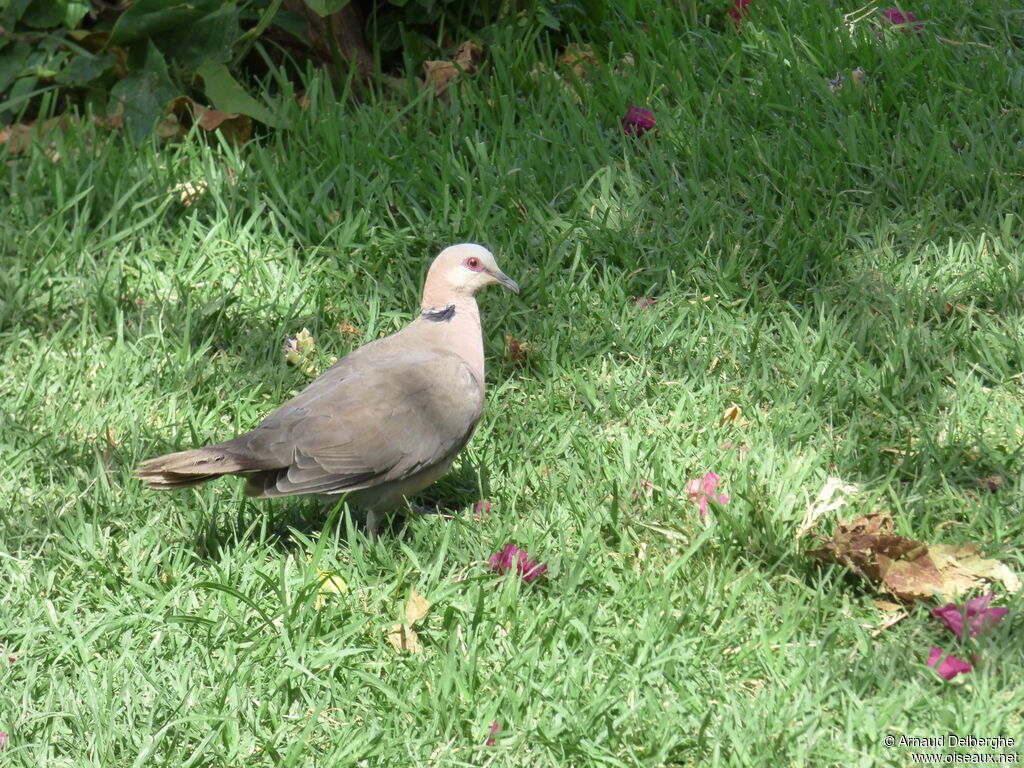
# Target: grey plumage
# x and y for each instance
(383, 422)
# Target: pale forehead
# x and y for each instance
(465, 250)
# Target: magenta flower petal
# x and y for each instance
(699, 489)
(482, 509)
(710, 482)
(3, 738)
(512, 557)
(950, 667)
(738, 10)
(642, 302)
(978, 614)
(894, 17)
(638, 121)
(493, 732)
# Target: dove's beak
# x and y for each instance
(505, 280)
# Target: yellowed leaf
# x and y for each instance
(331, 585)
(733, 414)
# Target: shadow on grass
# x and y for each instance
(228, 526)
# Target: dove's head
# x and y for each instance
(460, 271)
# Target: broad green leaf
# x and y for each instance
(147, 18)
(13, 62)
(145, 95)
(209, 39)
(84, 68)
(74, 12)
(326, 7)
(228, 95)
(44, 13)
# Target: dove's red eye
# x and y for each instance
(473, 263)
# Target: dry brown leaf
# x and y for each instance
(188, 192)
(416, 607)
(517, 351)
(440, 74)
(19, 137)
(829, 498)
(579, 59)
(404, 639)
(183, 112)
(734, 414)
(908, 569)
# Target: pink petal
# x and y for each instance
(642, 302)
(693, 489)
(738, 10)
(637, 121)
(894, 17)
(494, 730)
(950, 667)
(512, 557)
(710, 482)
(703, 505)
(981, 617)
(3, 738)
(482, 509)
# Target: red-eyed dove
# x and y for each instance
(382, 423)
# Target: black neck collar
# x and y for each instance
(439, 314)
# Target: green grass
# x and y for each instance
(829, 263)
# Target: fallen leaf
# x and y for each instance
(518, 351)
(331, 585)
(20, 137)
(183, 113)
(188, 192)
(441, 74)
(734, 414)
(991, 483)
(579, 60)
(909, 569)
(964, 560)
(416, 607)
(404, 639)
(829, 499)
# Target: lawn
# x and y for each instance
(845, 268)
